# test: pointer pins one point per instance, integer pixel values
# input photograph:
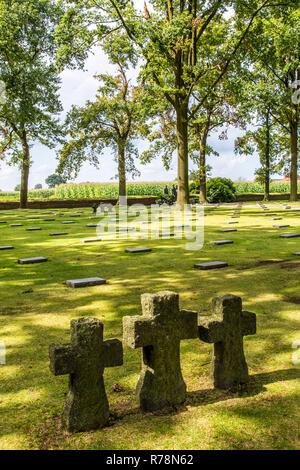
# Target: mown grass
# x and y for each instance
(36, 309)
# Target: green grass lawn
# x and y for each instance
(36, 309)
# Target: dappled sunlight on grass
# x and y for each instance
(37, 307)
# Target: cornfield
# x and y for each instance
(33, 194)
(275, 187)
(107, 190)
(110, 190)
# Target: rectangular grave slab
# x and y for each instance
(92, 225)
(74, 215)
(138, 250)
(290, 235)
(297, 253)
(89, 281)
(68, 222)
(231, 222)
(277, 218)
(33, 229)
(3, 222)
(281, 226)
(211, 265)
(49, 220)
(269, 215)
(129, 229)
(226, 230)
(91, 240)
(221, 242)
(33, 217)
(58, 234)
(39, 259)
(16, 225)
(8, 247)
(162, 235)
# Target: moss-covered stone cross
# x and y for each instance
(86, 405)
(226, 329)
(159, 332)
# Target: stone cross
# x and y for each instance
(159, 332)
(86, 405)
(226, 329)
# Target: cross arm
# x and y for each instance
(138, 331)
(62, 359)
(248, 323)
(210, 330)
(188, 324)
(112, 353)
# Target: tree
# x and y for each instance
(169, 39)
(18, 188)
(111, 121)
(54, 180)
(274, 45)
(38, 186)
(27, 68)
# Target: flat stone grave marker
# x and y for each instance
(49, 220)
(226, 329)
(3, 222)
(58, 234)
(211, 265)
(33, 229)
(39, 259)
(35, 217)
(16, 225)
(75, 215)
(8, 247)
(297, 253)
(92, 225)
(68, 222)
(231, 222)
(166, 235)
(91, 240)
(234, 216)
(281, 226)
(226, 230)
(86, 406)
(89, 281)
(138, 250)
(290, 235)
(277, 218)
(269, 215)
(221, 242)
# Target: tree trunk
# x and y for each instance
(202, 196)
(182, 155)
(294, 160)
(267, 162)
(122, 171)
(24, 172)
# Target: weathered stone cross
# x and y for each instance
(159, 332)
(86, 405)
(226, 329)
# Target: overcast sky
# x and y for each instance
(77, 87)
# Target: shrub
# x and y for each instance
(220, 190)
